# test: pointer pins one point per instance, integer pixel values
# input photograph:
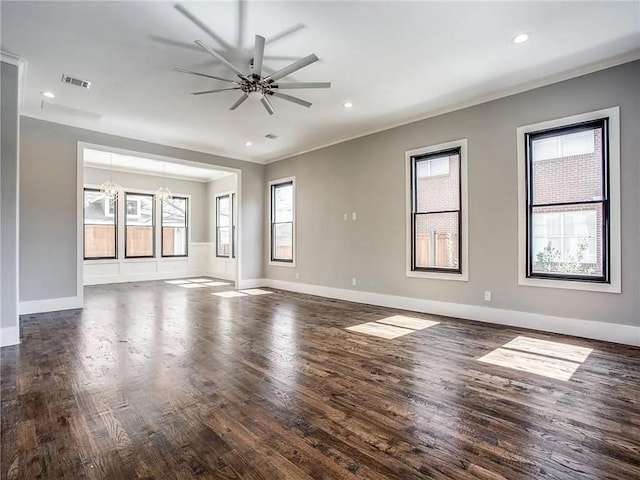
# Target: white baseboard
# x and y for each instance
(610, 332)
(9, 336)
(49, 305)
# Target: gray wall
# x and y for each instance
(48, 239)
(367, 175)
(199, 205)
(9, 195)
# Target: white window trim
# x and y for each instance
(295, 223)
(464, 275)
(615, 259)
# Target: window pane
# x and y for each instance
(439, 191)
(567, 167)
(224, 241)
(139, 225)
(139, 241)
(174, 212)
(283, 203)
(99, 225)
(99, 241)
(568, 240)
(224, 211)
(283, 241)
(436, 241)
(174, 227)
(174, 241)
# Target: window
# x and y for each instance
(436, 211)
(100, 226)
(224, 225)
(139, 225)
(174, 227)
(282, 221)
(569, 203)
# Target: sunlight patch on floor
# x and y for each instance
(408, 322)
(216, 284)
(540, 357)
(392, 327)
(380, 330)
(191, 285)
(229, 294)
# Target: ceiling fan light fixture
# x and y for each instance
(256, 96)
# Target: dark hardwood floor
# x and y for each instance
(154, 381)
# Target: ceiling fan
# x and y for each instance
(254, 85)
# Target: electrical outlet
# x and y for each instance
(297, 276)
(487, 296)
(345, 217)
(354, 281)
(353, 216)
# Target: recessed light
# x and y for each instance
(347, 104)
(521, 38)
(248, 144)
(48, 95)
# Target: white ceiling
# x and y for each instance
(149, 166)
(396, 61)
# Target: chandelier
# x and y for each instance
(163, 193)
(109, 188)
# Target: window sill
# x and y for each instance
(282, 264)
(459, 277)
(571, 285)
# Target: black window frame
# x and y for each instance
(231, 226)
(84, 224)
(605, 202)
(273, 189)
(153, 224)
(415, 159)
(186, 228)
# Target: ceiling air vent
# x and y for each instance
(271, 136)
(75, 81)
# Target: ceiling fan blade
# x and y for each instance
(215, 91)
(182, 70)
(295, 66)
(285, 33)
(230, 65)
(203, 27)
(239, 101)
(241, 16)
(267, 105)
(258, 56)
(291, 98)
(294, 85)
(176, 43)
